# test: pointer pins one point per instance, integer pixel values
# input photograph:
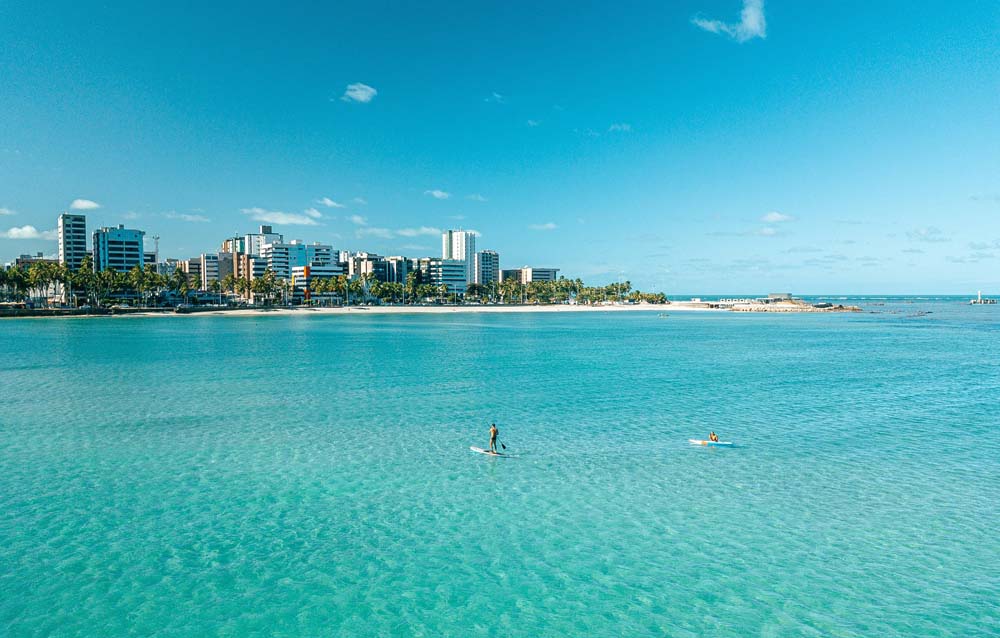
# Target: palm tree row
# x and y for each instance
(41, 280)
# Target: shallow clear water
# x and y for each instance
(275, 476)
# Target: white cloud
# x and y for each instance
(621, 127)
(329, 203)
(84, 204)
(312, 212)
(495, 97)
(7, 211)
(929, 234)
(185, 217)
(279, 217)
(751, 25)
(545, 226)
(767, 231)
(28, 232)
(359, 92)
(416, 232)
(774, 217)
(476, 197)
(414, 247)
(533, 123)
(438, 194)
(358, 220)
(360, 200)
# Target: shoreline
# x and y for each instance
(418, 310)
(674, 306)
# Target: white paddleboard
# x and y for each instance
(486, 452)
(709, 443)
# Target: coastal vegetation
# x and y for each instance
(44, 282)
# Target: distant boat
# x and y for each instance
(979, 301)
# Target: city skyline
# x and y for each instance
(708, 146)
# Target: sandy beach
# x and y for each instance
(389, 310)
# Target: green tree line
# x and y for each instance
(42, 280)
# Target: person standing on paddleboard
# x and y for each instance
(493, 438)
(713, 437)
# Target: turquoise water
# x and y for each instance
(311, 476)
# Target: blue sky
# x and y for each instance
(691, 146)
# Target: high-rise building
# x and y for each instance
(226, 266)
(448, 272)
(248, 267)
(282, 257)
(209, 269)
(72, 240)
(253, 243)
(233, 245)
(460, 244)
(367, 265)
(117, 249)
(487, 268)
(193, 267)
(396, 269)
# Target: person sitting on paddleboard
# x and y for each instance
(713, 437)
(493, 438)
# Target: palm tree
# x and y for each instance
(475, 290)
(228, 283)
(104, 284)
(356, 287)
(183, 284)
(412, 282)
(509, 289)
(216, 287)
(85, 277)
(266, 286)
(243, 287)
(138, 279)
(317, 287)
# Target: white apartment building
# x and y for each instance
(460, 245)
(72, 233)
(487, 269)
(253, 243)
(282, 257)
